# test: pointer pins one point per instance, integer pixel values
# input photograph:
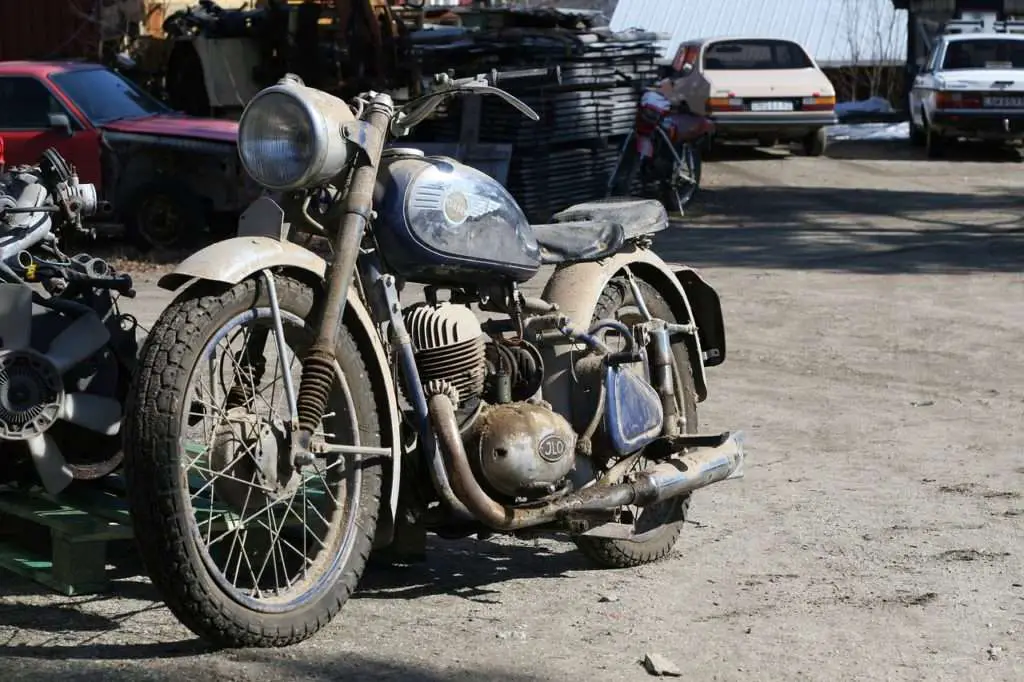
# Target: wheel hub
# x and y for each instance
(31, 394)
(250, 462)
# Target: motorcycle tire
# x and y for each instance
(617, 302)
(676, 199)
(167, 533)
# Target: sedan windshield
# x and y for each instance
(984, 53)
(742, 55)
(105, 97)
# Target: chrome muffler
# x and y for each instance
(712, 459)
(683, 474)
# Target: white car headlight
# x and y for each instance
(289, 136)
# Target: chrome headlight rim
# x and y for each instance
(316, 125)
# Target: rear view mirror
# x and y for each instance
(61, 122)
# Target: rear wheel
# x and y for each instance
(935, 143)
(247, 548)
(660, 523)
(815, 143)
(680, 189)
(917, 133)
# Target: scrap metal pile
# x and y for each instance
(566, 157)
(570, 153)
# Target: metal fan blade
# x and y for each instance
(94, 412)
(50, 464)
(77, 342)
(15, 316)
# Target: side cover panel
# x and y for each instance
(576, 289)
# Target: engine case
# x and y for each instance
(522, 449)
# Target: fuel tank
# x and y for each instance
(442, 222)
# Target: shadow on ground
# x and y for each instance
(870, 150)
(465, 568)
(326, 664)
(860, 230)
(468, 569)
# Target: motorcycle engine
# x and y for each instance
(519, 448)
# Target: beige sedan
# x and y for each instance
(765, 89)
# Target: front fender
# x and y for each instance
(233, 260)
(576, 288)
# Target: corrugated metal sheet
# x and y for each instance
(48, 29)
(835, 32)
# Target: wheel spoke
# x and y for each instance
(249, 534)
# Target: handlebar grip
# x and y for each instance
(554, 73)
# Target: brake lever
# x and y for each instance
(519, 104)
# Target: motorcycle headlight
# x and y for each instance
(289, 136)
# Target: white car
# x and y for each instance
(765, 89)
(971, 86)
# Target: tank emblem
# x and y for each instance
(552, 448)
(459, 207)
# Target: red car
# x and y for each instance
(167, 176)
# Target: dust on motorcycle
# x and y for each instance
(290, 414)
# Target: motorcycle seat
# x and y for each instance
(598, 229)
(638, 217)
(578, 242)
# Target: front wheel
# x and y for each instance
(657, 526)
(247, 548)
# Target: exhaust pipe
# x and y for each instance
(672, 478)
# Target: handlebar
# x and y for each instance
(419, 109)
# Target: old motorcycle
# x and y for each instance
(66, 351)
(663, 150)
(292, 412)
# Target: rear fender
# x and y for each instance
(576, 289)
(233, 260)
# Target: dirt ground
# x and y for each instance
(875, 320)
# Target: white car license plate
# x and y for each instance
(1005, 102)
(775, 105)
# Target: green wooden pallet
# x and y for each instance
(81, 524)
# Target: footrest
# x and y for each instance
(666, 446)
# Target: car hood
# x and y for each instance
(769, 83)
(170, 125)
(982, 79)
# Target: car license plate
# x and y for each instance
(775, 105)
(1005, 102)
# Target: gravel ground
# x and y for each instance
(874, 310)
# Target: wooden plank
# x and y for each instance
(80, 525)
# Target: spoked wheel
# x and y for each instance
(656, 527)
(246, 547)
(627, 168)
(682, 186)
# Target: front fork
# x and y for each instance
(308, 405)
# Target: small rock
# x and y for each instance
(993, 652)
(923, 403)
(609, 597)
(748, 630)
(1018, 584)
(515, 634)
(659, 666)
